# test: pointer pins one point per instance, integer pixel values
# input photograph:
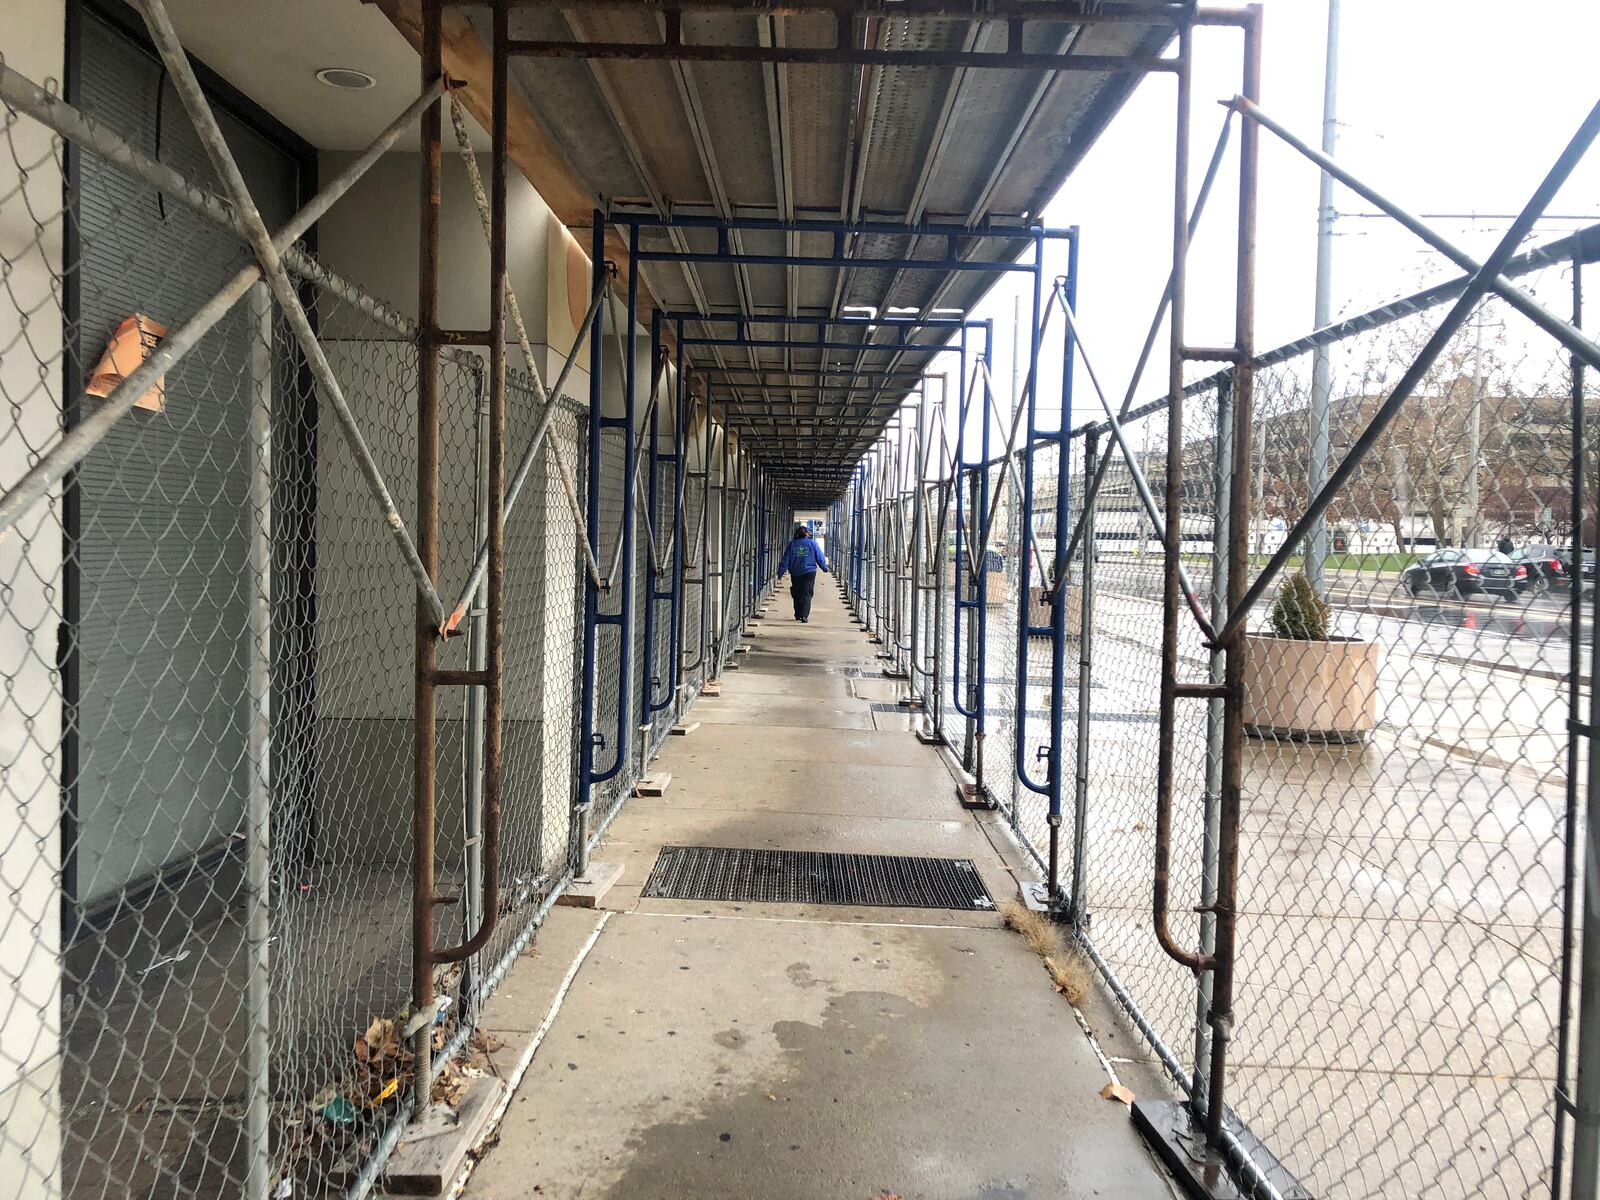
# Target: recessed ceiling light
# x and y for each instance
(347, 78)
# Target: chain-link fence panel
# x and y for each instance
(1002, 568)
(104, 842)
(542, 648)
(1032, 603)
(659, 709)
(342, 918)
(694, 651)
(898, 645)
(920, 634)
(212, 580)
(1404, 866)
(134, 1061)
(1409, 805)
(615, 735)
(952, 725)
(1121, 568)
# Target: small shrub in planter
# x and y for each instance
(1299, 612)
(1302, 682)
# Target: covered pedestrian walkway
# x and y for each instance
(411, 781)
(805, 1050)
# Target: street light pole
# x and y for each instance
(1475, 437)
(1321, 366)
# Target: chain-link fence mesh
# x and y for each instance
(615, 735)
(1409, 806)
(658, 710)
(695, 652)
(147, 1024)
(1403, 888)
(543, 652)
(1121, 567)
(1409, 779)
(1001, 576)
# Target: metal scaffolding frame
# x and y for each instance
(863, 512)
(881, 502)
(880, 492)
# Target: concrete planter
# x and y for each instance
(1039, 611)
(1310, 691)
(996, 584)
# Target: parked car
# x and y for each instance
(1547, 565)
(1465, 573)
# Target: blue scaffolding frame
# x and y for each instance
(698, 333)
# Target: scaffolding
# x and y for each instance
(1035, 582)
(1386, 914)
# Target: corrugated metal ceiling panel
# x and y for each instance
(747, 138)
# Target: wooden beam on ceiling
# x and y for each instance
(532, 149)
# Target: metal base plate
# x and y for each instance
(928, 736)
(1180, 1142)
(1036, 897)
(975, 798)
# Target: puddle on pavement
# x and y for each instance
(1510, 622)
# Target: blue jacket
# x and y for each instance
(802, 557)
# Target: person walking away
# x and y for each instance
(802, 559)
(1504, 545)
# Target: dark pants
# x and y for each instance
(801, 590)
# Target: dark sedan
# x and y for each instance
(1465, 573)
(1547, 567)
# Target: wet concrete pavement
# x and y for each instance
(807, 1052)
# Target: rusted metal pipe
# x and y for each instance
(1173, 543)
(1225, 908)
(494, 624)
(424, 763)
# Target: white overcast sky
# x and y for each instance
(1453, 106)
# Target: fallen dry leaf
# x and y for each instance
(449, 1084)
(381, 1040)
(1116, 1091)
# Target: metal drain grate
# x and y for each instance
(810, 877)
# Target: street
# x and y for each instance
(1528, 634)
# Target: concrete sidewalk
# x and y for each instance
(785, 1051)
